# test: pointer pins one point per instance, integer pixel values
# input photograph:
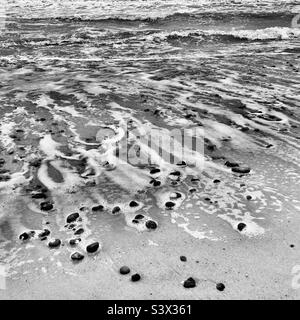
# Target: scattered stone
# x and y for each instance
(242, 170)
(54, 243)
(76, 256)
(46, 206)
(154, 171)
(135, 277)
(220, 286)
(181, 164)
(292, 245)
(93, 247)
(150, 224)
(248, 197)
(72, 217)
(116, 210)
(135, 221)
(133, 204)
(241, 226)
(124, 270)
(139, 217)
(183, 258)
(192, 190)
(217, 181)
(98, 208)
(175, 173)
(39, 196)
(155, 183)
(73, 242)
(170, 204)
(231, 164)
(189, 283)
(79, 231)
(44, 234)
(24, 236)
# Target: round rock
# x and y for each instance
(150, 224)
(76, 256)
(124, 270)
(220, 286)
(93, 247)
(72, 217)
(54, 243)
(241, 226)
(46, 206)
(135, 277)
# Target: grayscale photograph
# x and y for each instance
(149, 150)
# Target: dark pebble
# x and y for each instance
(44, 234)
(156, 183)
(153, 171)
(135, 221)
(116, 210)
(248, 197)
(175, 173)
(72, 217)
(24, 236)
(189, 283)
(181, 163)
(93, 247)
(220, 286)
(76, 256)
(217, 181)
(79, 231)
(54, 243)
(46, 206)
(150, 224)
(133, 204)
(241, 170)
(170, 204)
(98, 208)
(39, 196)
(241, 226)
(124, 270)
(135, 277)
(73, 242)
(231, 164)
(183, 258)
(139, 217)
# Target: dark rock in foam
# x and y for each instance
(150, 224)
(93, 247)
(124, 270)
(72, 217)
(76, 256)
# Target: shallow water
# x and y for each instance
(82, 79)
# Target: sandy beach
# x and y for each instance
(160, 137)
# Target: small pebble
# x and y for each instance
(248, 197)
(76, 256)
(116, 210)
(139, 217)
(24, 236)
(79, 231)
(133, 204)
(44, 233)
(170, 204)
(93, 247)
(183, 258)
(124, 270)
(153, 171)
(220, 286)
(150, 224)
(54, 243)
(73, 242)
(98, 208)
(46, 206)
(72, 217)
(241, 226)
(135, 277)
(189, 283)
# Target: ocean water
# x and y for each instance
(82, 79)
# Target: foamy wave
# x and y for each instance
(275, 33)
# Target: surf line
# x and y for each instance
(135, 311)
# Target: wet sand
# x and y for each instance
(79, 99)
